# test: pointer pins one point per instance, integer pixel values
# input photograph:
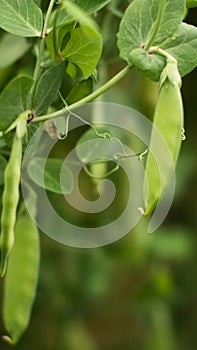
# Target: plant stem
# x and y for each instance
(88, 98)
(41, 46)
(167, 55)
(156, 25)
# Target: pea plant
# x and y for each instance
(64, 44)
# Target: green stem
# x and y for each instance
(156, 25)
(167, 55)
(88, 98)
(41, 47)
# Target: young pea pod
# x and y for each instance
(10, 196)
(166, 137)
(10, 201)
(21, 278)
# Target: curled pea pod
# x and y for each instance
(168, 121)
(21, 278)
(10, 201)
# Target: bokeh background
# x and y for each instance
(139, 293)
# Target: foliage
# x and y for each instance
(51, 56)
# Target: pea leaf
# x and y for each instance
(150, 65)
(83, 51)
(139, 20)
(59, 17)
(13, 99)
(183, 46)
(69, 43)
(148, 22)
(91, 6)
(3, 164)
(76, 13)
(12, 47)
(52, 79)
(56, 39)
(48, 177)
(22, 17)
(84, 6)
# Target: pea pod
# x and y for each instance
(168, 120)
(10, 196)
(21, 278)
(10, 201)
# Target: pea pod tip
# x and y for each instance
(141, 210)
(3, 267)
(7, 339)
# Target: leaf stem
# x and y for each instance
(167, 55)
(41, 46)
(88, 98)
(156, 25)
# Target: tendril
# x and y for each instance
(101, 161)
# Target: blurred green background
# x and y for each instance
(139, 293)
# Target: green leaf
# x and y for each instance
(191, 3)
(70, 43)
(3, 164)
(59, 17)
(142, 26)
(183, 46)
(139, 19)
(47, 88)
(80, 90)
(88, 7)
(83, 51)
(150, 65)
(12, 47)
(56, 37)
(76, 13)
(91, 6)
(48, 177)
(22, 17)
(13, 100)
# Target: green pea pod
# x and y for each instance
(168, 120)
(21, 278)
(10, 201)
(10, 196)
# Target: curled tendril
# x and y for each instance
(117, 156)
(63, 135)
(141, 155)
(183, 137)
